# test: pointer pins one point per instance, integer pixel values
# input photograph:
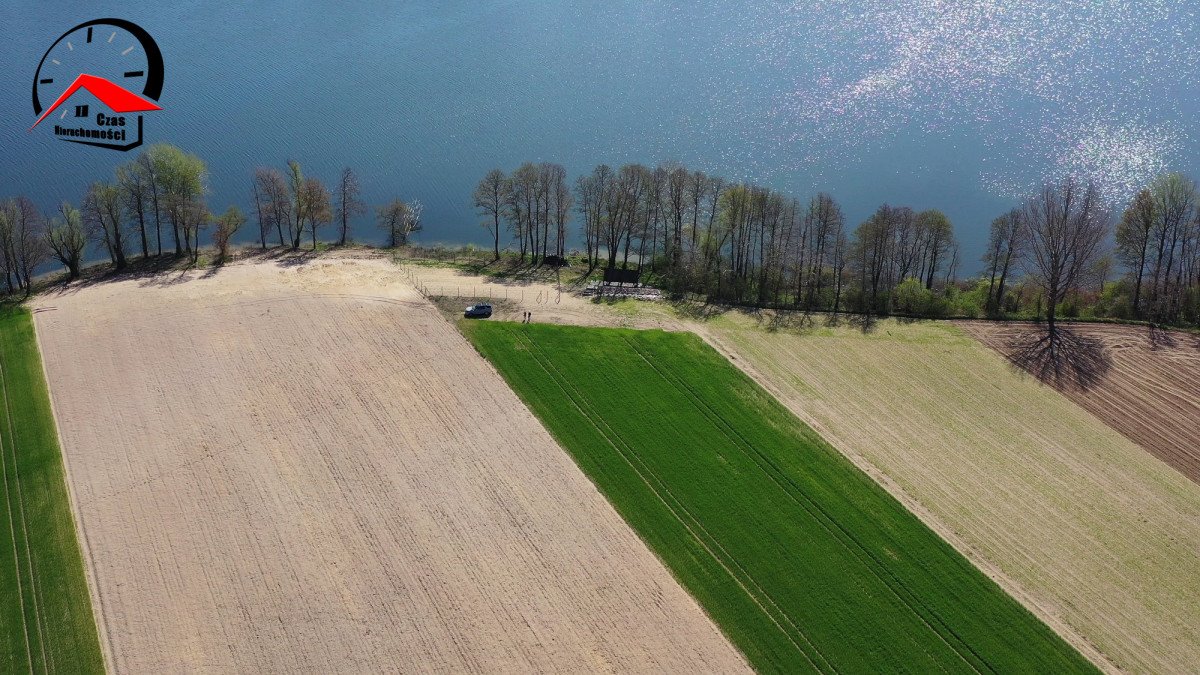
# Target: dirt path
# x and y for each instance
(305, 468)
(1143, 382)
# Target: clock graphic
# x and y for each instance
(114, 60)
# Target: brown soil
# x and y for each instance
(298, 465)
(1144, 382)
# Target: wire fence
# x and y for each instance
(523, 296)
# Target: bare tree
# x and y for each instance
(66, 239)
(262, 208)
(592, 193)
(273, 188)
(1133, 241)
(410, 222)
(319, 206)
(227, 225)
(938, 235)
(135, 195)
(824, 224)
(874, 242)
(195, 217)
(1005, 246)
(1174, 198)
(621, 207)
(22, 242)
(490, 197)
(299, 206)
(399, 220)
(102, 220)
(148, 164)
(524, 207)
(1066, 223)
(8, 257)
(349, 203)
(560, 197)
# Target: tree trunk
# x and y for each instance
(496, 234)
(142, 230)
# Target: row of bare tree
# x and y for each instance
(730, 241)
(291, 204)
(1059, 239)
(535, 203)
(1158, 241)
(743, 243)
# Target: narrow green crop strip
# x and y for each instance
(46, 620)
(802, 560)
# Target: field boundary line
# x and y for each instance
(11, 513)
(573, 395)
(107, 651)
(858, 550)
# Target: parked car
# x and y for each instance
(482, 310)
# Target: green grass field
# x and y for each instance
(805, 563)
(46, 622)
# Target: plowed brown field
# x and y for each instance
(302, 467)
(1143, 382)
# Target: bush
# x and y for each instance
(913, 298)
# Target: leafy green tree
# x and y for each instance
(183, 183)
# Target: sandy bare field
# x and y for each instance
(303, 467)
(1095, 535)
(1143, 382)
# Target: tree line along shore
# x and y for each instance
(1062, 252)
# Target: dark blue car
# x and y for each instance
(481, 311)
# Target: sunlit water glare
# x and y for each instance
(964, 105)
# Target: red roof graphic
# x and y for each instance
(119, 99)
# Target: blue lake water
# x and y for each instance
(957, 105)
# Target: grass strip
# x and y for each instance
(46, 620)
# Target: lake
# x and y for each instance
(961, 106)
